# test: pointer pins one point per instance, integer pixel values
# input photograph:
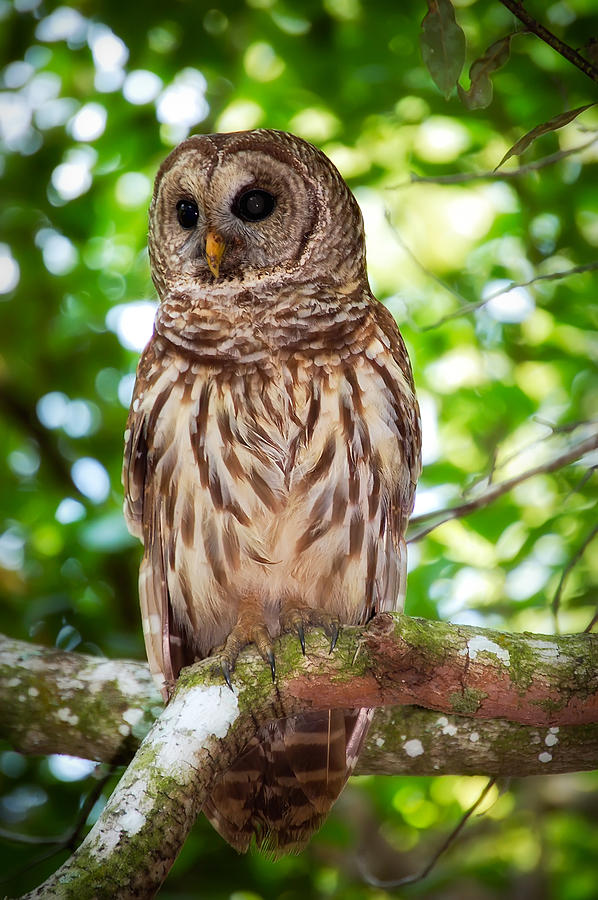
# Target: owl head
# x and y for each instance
(251, 206)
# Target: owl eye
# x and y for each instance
(254, 205)
(187, 213)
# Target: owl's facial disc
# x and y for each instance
(251, 207)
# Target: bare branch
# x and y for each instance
(478, 304)
(551, 39)
(556, 600)
(465, 177)
(439, 517)
(450, 839)
(540, 680)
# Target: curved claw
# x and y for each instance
(334, 631)
(301, 634)
(226, 672)
(272, 662)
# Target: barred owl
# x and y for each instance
(272, 448)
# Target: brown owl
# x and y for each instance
(272, 448)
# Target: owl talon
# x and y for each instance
(226, 672)
(301, 635)
(272, 661)
(334, 632)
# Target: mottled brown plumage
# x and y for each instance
(272, 447)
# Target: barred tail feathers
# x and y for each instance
(282, 787)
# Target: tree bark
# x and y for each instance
(494, 703)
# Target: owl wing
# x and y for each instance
(384, 397)
(144, 515)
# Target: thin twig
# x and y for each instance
(478, 304)
(67, 841)
(551, 39)
(413, 879)
(565, 428)
(589, 627)
(556, 600)
(419, 264)
(485, 499)
(464, 177)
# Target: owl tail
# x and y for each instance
(283, 785)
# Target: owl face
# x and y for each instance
(249, 206)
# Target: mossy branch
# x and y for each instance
(493, 703)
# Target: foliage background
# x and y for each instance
(83, 133)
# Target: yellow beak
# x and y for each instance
(215, 248)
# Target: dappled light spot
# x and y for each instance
(91, 478)
(25, 461)
(133, 323)
(16, 805)
(514, 304)
(109, 52)
(262, 63)
(69, 510)
(526, 579)
(141, 86)
(183, 102)
(17, 73)
(461, 367)
(125, 390)
(15, 120)
(12, 549)
(76, 417)
(73, 177)
(240, 115)
(315, 123)
(55, 112)
(59, 254)
(470, 214)
(52, 409)
(63, 24)
(133, 189)
(89, 123)
(440, 139)
(9, 270)
(70, 768)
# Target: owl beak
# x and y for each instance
(215, 248)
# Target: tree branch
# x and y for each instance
(440, 516)
(549, 683)
(85, 706)
(551, 39)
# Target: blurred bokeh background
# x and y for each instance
(92, 97)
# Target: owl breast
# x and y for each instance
(268, 488)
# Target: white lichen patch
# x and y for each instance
(550, 740)
(124, 730)
(13, 682)
(413, 747)
(554, 730)
(33, 692)
(481, 644)
(546, 650)
(98, 675)
(132, 821)
(187, 723)
(380, 742)
(545, 757)
(474, 737)
(446, 726)
(65, 715)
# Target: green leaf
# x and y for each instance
(479, 94)
(552, 125)
(442, 45)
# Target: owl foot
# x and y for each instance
(295, 618)
(240, 636)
